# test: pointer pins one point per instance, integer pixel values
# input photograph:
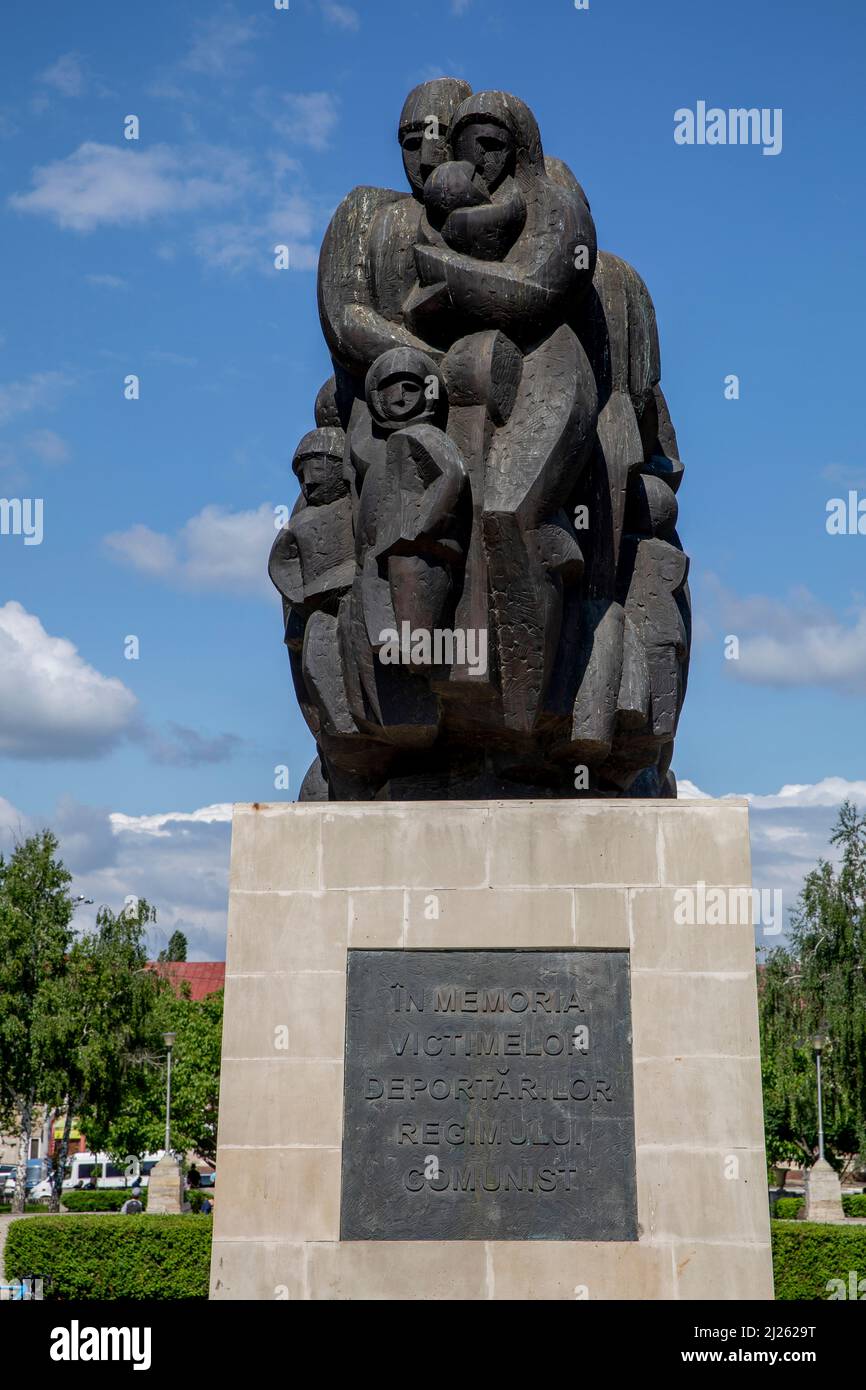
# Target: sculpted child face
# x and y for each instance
(403, 386)
(489, 148)
(401, 396)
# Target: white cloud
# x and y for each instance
(795, 642)
(343, 16)
(66, 76)
(790, 831)
(219, 47)
(14, 825)
(145, 550)
(47, 446)
(52, 703)
(845, 474)
(299, 118)
(830, 791)
(112, 184)
(36, 392)
(830, 655)
(240, 245)
(178, 861)
(108, 282)
(172, 359)
(185, 747)
(687, 791)
(99, 185)
(216, 550)
(158, 825)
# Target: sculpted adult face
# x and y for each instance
(425, 123)
(422, 153)
(489, 148)
(497, 133)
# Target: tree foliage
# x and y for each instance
(138, 1126)
(35, 936)
(817, 983)
(99, 1023)
(82, 1019)
(176, 948)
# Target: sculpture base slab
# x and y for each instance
(823, 1193)
(165, 1188)
(624, 882)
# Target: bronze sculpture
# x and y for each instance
(493, 471)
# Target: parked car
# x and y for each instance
(41, 1192)
(35, 1174)
(207, 1179)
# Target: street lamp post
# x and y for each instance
(819, 1042)
(168, 1039)
(165, 1184)
(823, 1188)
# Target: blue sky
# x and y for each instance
(155, 257)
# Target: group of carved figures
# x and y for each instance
(493, 457)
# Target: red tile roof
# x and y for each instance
(204, 977)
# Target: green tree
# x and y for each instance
(35, 936)
(818, 982)
(176, 949)
(100, 1023)
(139, 1125)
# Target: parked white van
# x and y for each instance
(81, 1167)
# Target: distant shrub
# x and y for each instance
(100, 1199)
(786, 1208)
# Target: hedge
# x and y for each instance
(168, 1257)
(102, 1199)
(787, 1208)
(808, 1254)
(112, 1257)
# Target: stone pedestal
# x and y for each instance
(823, 1193)
(165, 1188)
(661, 1102)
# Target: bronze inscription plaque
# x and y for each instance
(488, 1096)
